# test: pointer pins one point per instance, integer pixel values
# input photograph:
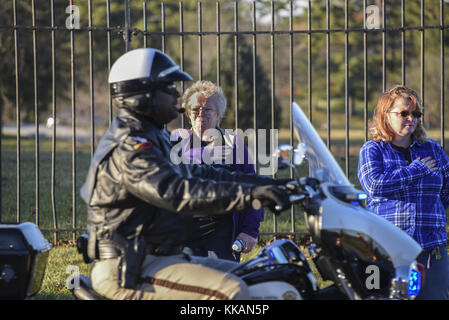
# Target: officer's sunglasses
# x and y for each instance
(404, 114)
(168, 88)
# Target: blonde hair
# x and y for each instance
(380, 128)
(209, 91)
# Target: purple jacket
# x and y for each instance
(243, 221)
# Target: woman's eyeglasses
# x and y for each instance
(195, 112)
(404, 114)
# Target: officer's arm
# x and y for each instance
(221, 174)
(149, 175)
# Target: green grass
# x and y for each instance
(64, 254)
(63, 199)
(63, 262)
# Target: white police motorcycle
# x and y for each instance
(363, 255)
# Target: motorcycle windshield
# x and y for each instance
(322, 164)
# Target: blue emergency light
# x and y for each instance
(362, 196)
(414, 284)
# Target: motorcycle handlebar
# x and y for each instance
(293, 198)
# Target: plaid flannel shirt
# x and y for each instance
(407, 194)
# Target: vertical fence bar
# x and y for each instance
(181, 48)
(328, 63)
(346, 89)
(236, 62)
(73, 85)
(309, 58)
(256, 140)
(422, 56)
(126, 29)
(384, 48)
(273, 67)
(108, 25)
(442, 94)
(163, 29)
(218, 44)
(365, 73)
(18, 107)
(273, 87)
(53, 140)
(36, 110)
(144, 13)
(200, 40)
(91, 83)
(292, 98)
(200, 34)
(291, 73)
(1, 157)
(163, 26)
(403, 41)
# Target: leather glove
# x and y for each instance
(270, 196)
(282, 182)
(289, 183)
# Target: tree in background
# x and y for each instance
(356, 55)
(245, 87)
(171, 43)
(25, 61)
(393, 62)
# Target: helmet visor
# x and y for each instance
(172, 74)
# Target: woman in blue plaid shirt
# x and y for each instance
(406, 176)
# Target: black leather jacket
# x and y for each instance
(133, 188)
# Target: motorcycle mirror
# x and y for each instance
(283, 154)
(299, 153)
(287, 155)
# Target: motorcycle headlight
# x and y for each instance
(407, 283)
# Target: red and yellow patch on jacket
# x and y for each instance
(142, 143)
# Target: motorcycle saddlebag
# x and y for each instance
(23, 258)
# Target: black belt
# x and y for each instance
(161, 250)
(108, 250)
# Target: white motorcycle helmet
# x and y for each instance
(135, 75)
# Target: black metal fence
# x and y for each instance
(333, 57)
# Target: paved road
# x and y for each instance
(63, 132)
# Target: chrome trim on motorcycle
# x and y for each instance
(346, 285)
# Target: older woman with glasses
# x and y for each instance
(207, 143)
(406, 177)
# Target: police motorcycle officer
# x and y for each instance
(140, 204)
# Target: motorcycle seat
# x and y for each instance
(84, 291)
